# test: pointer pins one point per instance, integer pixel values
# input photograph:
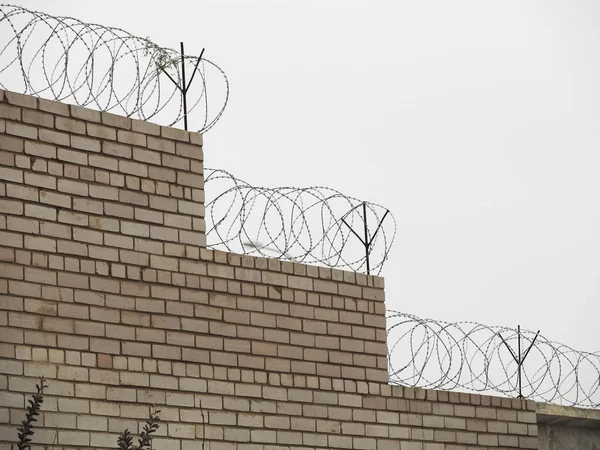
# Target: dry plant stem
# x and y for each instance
(25, 431)
(125, 439)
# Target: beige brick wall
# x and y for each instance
(107, 289)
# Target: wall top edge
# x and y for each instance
(293, 269)
(568, 415)
(105, 118)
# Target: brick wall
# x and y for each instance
(107, 289)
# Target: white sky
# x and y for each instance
(474, 122)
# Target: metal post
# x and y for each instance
(521, 358)
(520, 362)
(184, 90)
(366, 241)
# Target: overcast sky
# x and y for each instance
(474, 122)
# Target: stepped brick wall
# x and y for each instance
(108, 290)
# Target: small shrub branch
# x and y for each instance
(25, 431)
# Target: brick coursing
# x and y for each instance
(107, 289)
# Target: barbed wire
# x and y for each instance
(314, 225)
(474, 357)
(108, 69)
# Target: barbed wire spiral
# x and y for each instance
(474, 357)
(314, 225)
(109, 69)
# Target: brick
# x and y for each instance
(55, 230)
(117, 180)
(53, 198)
(92, 423)
(90, 391)
(135, 229)
(114, 149)
(189, 151)
(11, 271)
(40, 212)
(191, 208)
(85, 114)
(137, 349)
(156, 306)
(74, 157)
(192, 238)
(40, 276)
(44, 181)
(526, 416)
(146, 215)
(175, 134)
(8, 174)
(58, 325)
(163, 203)
(164, 233)
(59, 420)
(9, 159)
(146, 156)
(12, 400)
(10, 112)
(70, 125)
(150, 335)
(133, 168)
(38, 118)
(73, 218)
(164, 292)
(54, 137)
(104, 192)
(176, 162)
(104, 162)
(162, 174)
(10, 206)
(115, 209)
(163, 145)
(196, 138)
(19, 129)
(105, 346)
(166, 352)
(86, 235)
(132, 138)
(11, 144)
(133, 197)
(72, 248)
(73, 405)
(53, 107)
(38, 165)
(73, 311)
(114, 120)
(145, 127)
(73, 373)
(84, 143)
(40, 243)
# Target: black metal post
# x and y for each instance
(521, 358)
(184, 90)
(366, 241)
(520, 362)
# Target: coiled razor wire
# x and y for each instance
(474, 357)
(314, 225)
(64, 59)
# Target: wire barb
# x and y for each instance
(313, 225)
(470, 356)
(109, 69)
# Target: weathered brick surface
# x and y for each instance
(107, 289)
